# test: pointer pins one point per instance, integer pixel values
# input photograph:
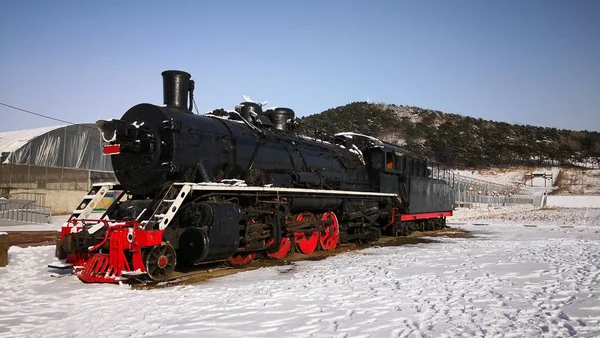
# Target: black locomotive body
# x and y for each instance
(231, 184)
(164, 145)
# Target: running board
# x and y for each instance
(229, 187)
(178, 192)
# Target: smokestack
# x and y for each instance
(176, 85)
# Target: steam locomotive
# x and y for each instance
(232, 185)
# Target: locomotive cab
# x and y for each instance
(394, 170)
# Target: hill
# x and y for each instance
(456, 140)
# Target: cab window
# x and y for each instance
(376, 160)
(389, 160)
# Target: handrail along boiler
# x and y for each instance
(231, 185)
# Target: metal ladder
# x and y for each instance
(168, 206)
(93, 197)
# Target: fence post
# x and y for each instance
(3, 249)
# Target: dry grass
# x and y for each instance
(577, 182)
(560, 182)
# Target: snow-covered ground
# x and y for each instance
(530, 215)
(57, 222)
(508, 280)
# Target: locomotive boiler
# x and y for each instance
(234, 185)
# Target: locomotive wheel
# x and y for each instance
(241, 259)
(329, 238)
(284, 248)
(306, 243)
(160, 262)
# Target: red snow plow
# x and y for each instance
(103, 251)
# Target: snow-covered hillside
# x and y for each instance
(511, 177)
(579, 182)
(507, 280)
(567, 181)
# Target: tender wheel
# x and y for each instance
(160, 262)
(330, 236)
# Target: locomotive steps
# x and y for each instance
(193, 275)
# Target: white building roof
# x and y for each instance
(13, 140)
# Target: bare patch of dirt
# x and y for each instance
(26, 239)
(447, 232)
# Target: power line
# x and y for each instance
(34, 113)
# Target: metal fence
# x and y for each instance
(35, 197)
(472, 192)
(462, 183)
(469, 200)
(24, 211)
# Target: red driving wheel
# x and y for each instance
(329, 237)
(241, 259)
(306, 243)
(284, 248)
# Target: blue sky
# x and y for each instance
(529, 62)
